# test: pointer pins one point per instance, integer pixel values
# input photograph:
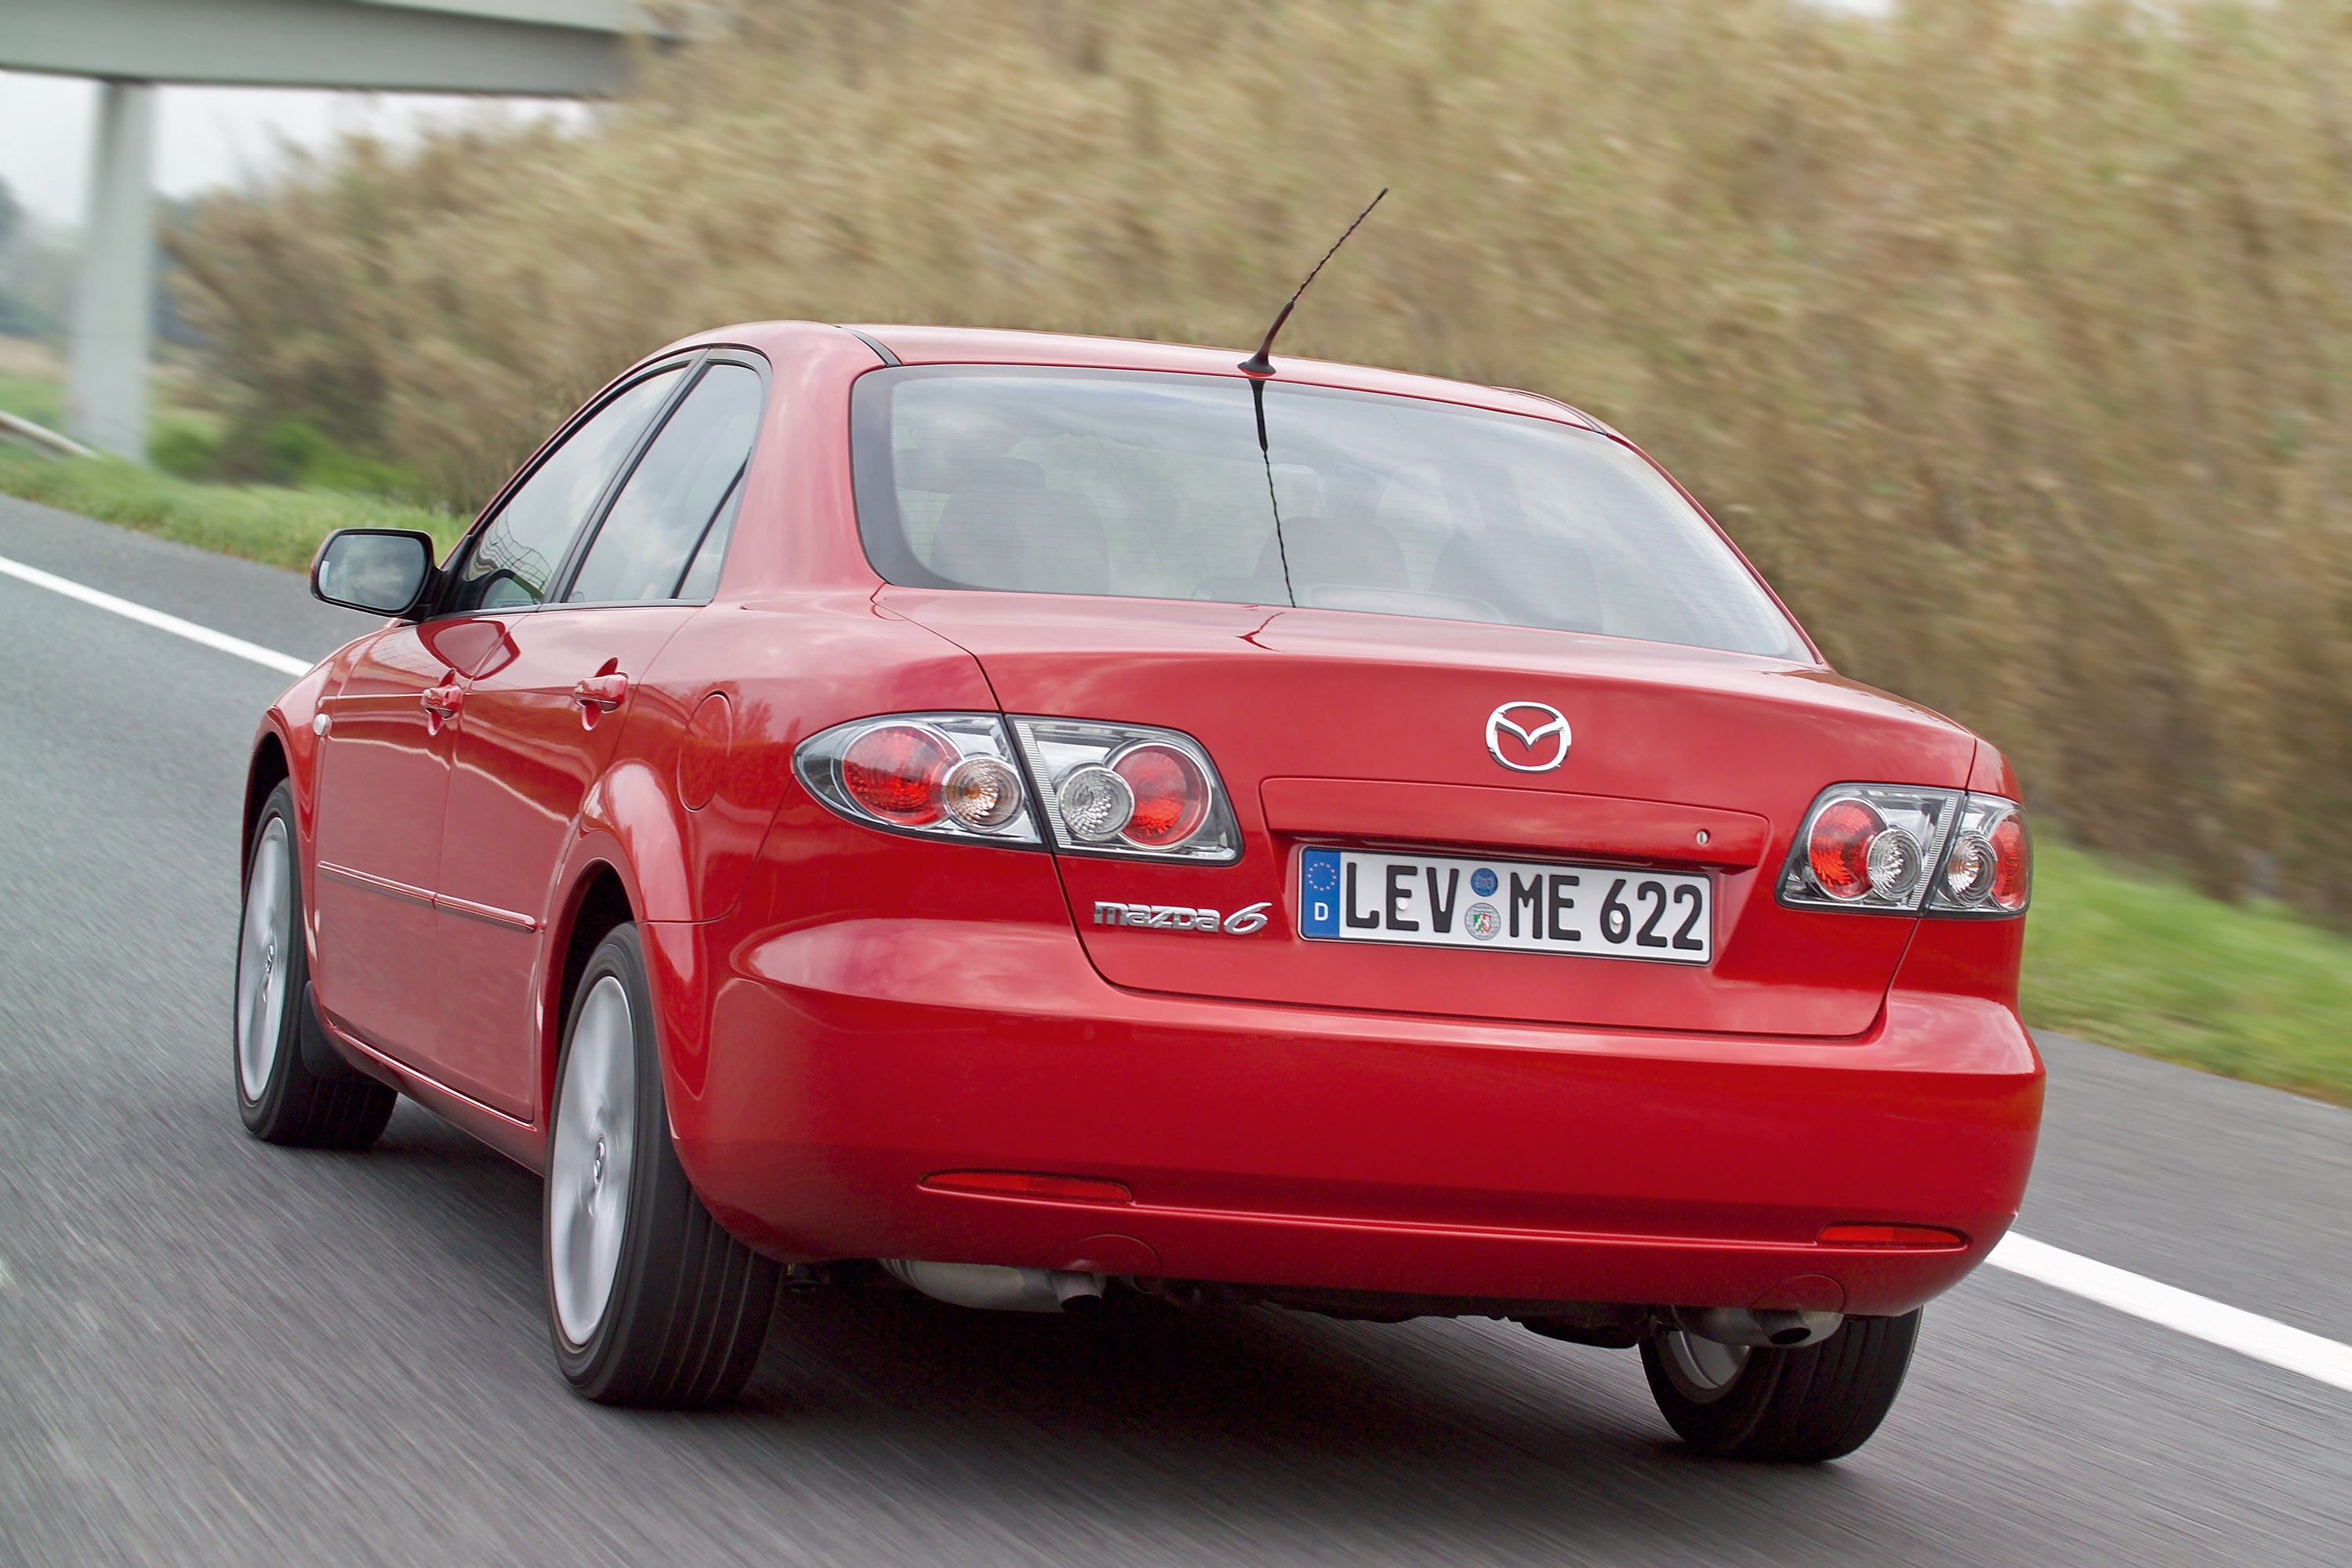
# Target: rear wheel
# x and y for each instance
(1820, 1402)
(279, 1096)
(649, 1301)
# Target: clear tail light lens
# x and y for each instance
(1114, 789)
(984, 792)
(1898, 849)
(1093, 803)
(953, 775)
(1968, 867)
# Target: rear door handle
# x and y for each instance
(443, 702)
(603, 691)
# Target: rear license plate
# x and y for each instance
(1599, 911)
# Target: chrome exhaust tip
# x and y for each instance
(995, 1288)
(1767, 1330)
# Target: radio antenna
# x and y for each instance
(1258, 363)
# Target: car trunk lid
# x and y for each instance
(1349, 729)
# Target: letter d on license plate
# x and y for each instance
(1595, 911)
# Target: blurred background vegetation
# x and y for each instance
(2011, 338)
(2014, 340)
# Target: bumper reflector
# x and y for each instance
(1926, 1236)
(1027, 1185)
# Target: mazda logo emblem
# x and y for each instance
(1534, 724)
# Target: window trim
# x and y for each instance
(569, 571)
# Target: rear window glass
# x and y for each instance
(1146, 485)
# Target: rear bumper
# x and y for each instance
(816, 1077)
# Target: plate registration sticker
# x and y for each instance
(1599, 911)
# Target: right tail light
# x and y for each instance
(1901, 850)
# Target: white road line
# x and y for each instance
(2194, 1315)
(284, 663)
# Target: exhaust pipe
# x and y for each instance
(994, 1288)
(1769, 1329)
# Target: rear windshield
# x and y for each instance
(1151, 486)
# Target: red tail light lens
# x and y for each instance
(2013, 864)
(1171, 796)
(899, 771)
(1838, 847)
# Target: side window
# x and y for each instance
(514, 557)
(682, 496)
(702, 577)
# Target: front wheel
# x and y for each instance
(649, 1301)
(279, 1096)
(1796, 1406)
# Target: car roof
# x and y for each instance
(991, 345)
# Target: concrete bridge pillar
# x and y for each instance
(107, 376)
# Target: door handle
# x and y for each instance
(604, 692)
(443, 702)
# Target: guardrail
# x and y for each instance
(42, 435)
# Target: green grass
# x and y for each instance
(261, 522)
(2143, 962)
(35, 398)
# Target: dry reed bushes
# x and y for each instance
(2010, 338)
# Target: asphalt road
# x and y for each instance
(213, 1351)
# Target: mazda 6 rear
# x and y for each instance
(1488, 901)
(1322, 839)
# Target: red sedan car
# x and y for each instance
(1037, 819)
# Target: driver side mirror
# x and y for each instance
(384, 571)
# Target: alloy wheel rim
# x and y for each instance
(1701, 1370)
(264, 947)
(588, 1168)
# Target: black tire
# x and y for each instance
(688, 1305)
(1792, 1406)
(282, 1093)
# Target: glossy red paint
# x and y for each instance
(528, 752)
(844, 1013)
(1547, 821)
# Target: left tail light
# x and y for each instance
(1897, 849)
(1128, 790)
(952, 776)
